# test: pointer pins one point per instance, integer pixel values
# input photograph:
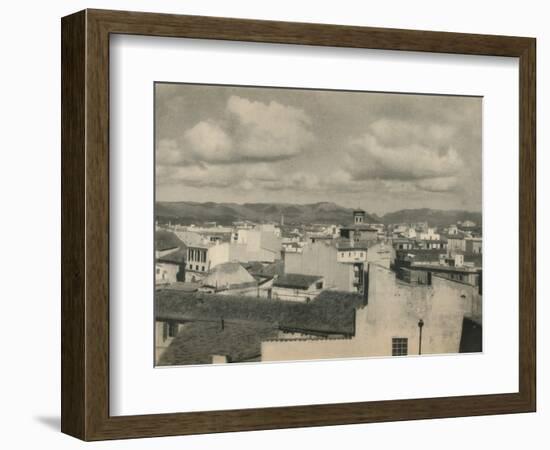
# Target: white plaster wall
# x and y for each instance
(395, 308)
(320, 259)
(302, 349)
(218, 254)
(169, 271)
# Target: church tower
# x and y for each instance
(358, 216)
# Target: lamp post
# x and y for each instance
(420, 325)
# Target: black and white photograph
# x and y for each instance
(302, 224)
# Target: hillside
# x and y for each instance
(323, 212)
(434, 217)
(226, 213)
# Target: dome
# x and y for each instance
(228, 275)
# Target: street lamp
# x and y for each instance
(420, 325)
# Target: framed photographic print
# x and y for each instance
(266, 224)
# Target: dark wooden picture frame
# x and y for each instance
(85, 224)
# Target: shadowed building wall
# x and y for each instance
(320, 258)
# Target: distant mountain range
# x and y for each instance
(323, 212)
(434, 217)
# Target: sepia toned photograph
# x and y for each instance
(305, 224)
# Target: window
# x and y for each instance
(172, 329)
(319, 285)
(203, 268)
(399, 346)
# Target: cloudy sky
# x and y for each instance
(380, 151)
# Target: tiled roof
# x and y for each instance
(296, 280)
(192, 239)
(198, 341)
(227, 275)
(330, 312)
(257, 268)
(253, 266)
(177, 257)
(275, 268)
(165, 240)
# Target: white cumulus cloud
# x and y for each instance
(250, 131)
(376, 155)
(208, 142)
(269, 131)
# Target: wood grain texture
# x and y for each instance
(85, 224)
(527, 224)
(73, 227)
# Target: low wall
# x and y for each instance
(303, 349)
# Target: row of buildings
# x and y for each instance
(321, 261)
(394, 318)
(334, 256)
(401, 282)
